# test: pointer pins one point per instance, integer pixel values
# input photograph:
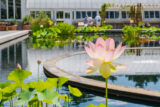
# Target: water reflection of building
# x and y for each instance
(10, 56)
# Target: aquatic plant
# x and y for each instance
(135, 35)
(66, 31)
(27, 20)
(94, 29)
(34, 94)
(102, 54)
(41, 19)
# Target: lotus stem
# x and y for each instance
(46, 104)
(106, 94)
(38, 71)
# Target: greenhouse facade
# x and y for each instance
(71, 11)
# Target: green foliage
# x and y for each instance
(66, 31)
(41, 21)
(61, 31)
(133, 36)
(74, 91)
(27, 20)
(104, 8)
(7, 92)
(61, 81)
(94, 29)
(46, 33)
(25, 96)
(90, 37)
(34, 93)
(19, 75)
(13, 22)
(48, 43)
(49, 96)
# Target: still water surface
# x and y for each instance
(27, 56)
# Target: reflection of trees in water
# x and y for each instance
(143, 80)
(100, 78)
(112, 78)
(49, 43)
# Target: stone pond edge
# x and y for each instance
(131, 93)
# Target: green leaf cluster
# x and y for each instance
(34, 93)
(94, 29)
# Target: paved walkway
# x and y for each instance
(2, 33)
(6, 36)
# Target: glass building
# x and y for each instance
(71, 11)
(11, 9)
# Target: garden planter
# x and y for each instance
(26, 27)
(9, 27)
(14, 27)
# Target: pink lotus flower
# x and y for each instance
(102, 54)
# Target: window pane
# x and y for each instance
(10, 9)
(157, 14)
(37, 12)
(67, 15)
(83, 14)
(107, 15)
(112, 15)
(18, 9)
(72, 14)
(124, 15)
(32, 13)
(116, 14)
(151, 14)
(94, 14)
(146, 14)
(78, 15)
(3, 9)
(59, 14)
(89, 13)
(48, 13)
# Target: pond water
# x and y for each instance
(23, 53)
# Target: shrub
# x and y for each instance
(41, 21)
(13, 22)
(66, 31)
(46, 33)
(27, 20)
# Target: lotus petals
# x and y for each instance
(91, 69)
(119, 66)
(94, 62)
(110, 44)
(102, 54)
(89, 52)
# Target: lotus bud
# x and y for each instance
(19, 67)
(39, 61)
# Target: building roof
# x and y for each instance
(38, 4)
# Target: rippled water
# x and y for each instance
(27, 56)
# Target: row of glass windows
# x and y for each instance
(35, 13)
(59, 14)
(14, 9)
(83, 14)
(151, 14)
